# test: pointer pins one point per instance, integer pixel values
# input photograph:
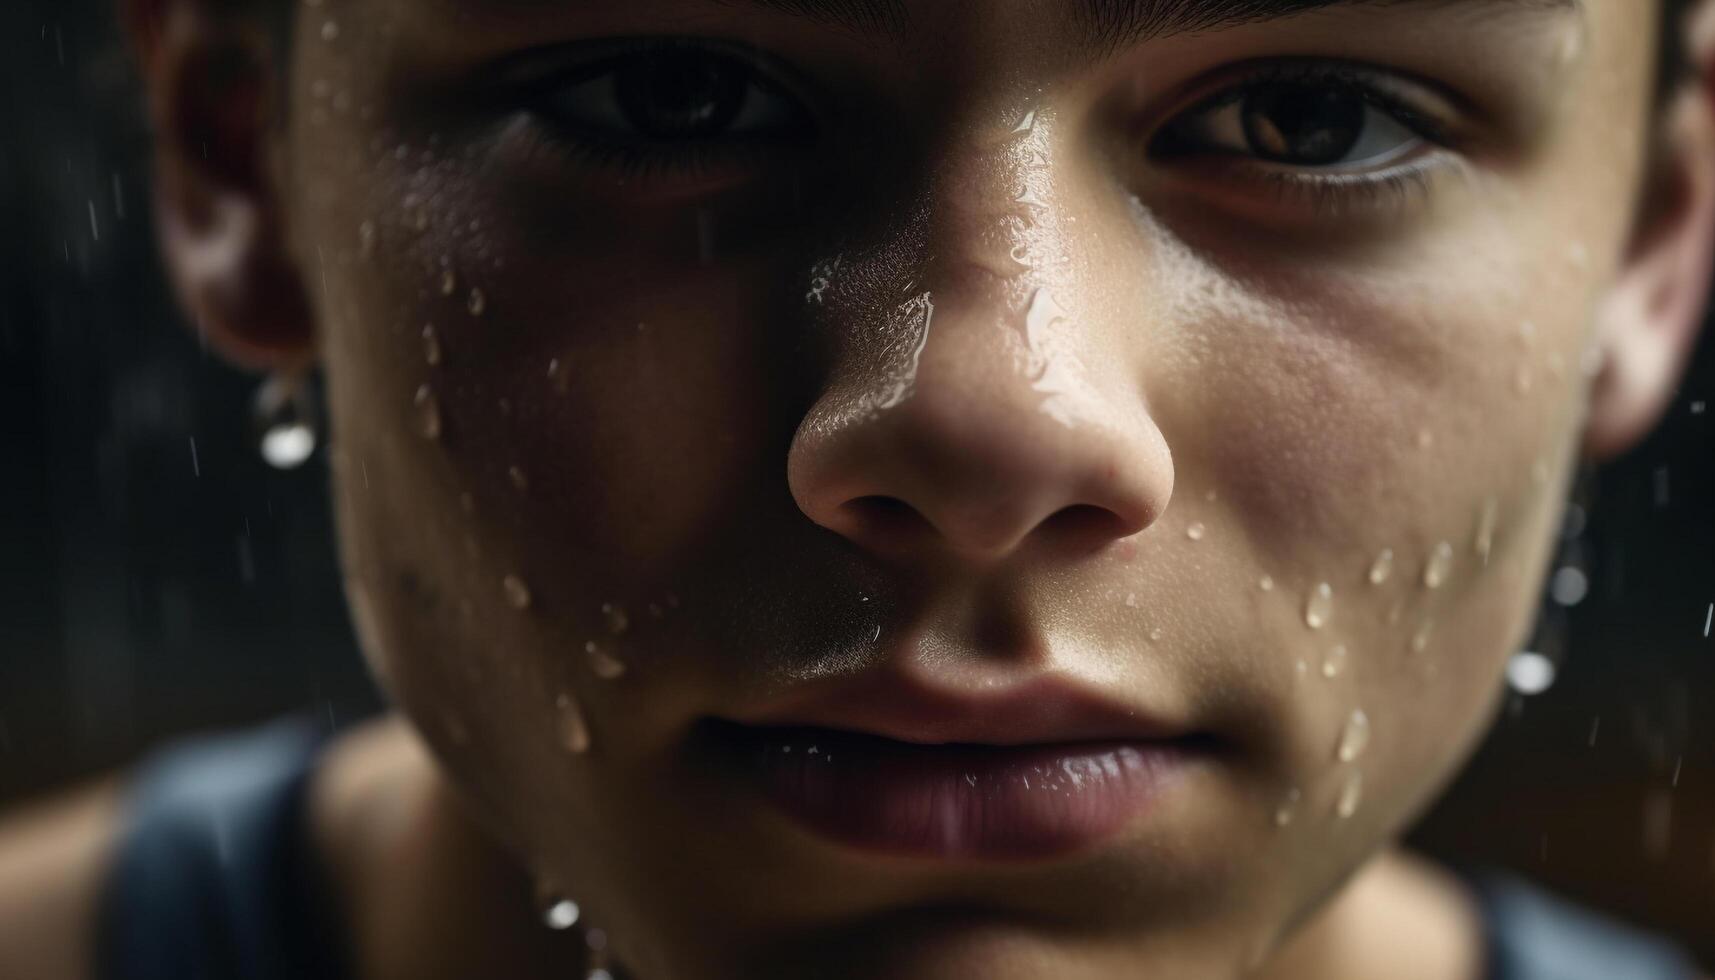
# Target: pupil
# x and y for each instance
(676, 95)
(1303, 124)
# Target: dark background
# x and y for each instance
(157, 578)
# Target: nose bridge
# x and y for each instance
(974, 425)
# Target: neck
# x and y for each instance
(1398, 917)
(408, 862)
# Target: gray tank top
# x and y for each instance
(215, 879)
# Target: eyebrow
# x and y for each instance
(1111, 24)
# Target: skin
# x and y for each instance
(1143, 392)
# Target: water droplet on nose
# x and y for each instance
(1351, 795)
(428, 413)
(1319, 606)
(1027, 123)
(617, 620)
(574, 729)
(1196, 531)
(1382, 567)
(1288, 807)
(517, 593)
(478, 303)
(431, 345)
(1355, 738)
(449, 282)
(1029, 198)
(1335, 661)
(520, 481)
(1439, 565)
(605, 665)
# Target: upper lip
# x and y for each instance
(1042, 710)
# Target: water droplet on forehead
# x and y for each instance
(1382, 567)
(428, 413)
(573, 728)
(1440, 563)
(517, 593)
(1354, 738)
(1319, 606)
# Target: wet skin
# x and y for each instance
(979, 348)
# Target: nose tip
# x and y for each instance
(977, 472)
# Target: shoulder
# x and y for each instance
(53, 860)
(1533, 935)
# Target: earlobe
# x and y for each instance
(1648, 323)
(218, 199)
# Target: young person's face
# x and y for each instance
(869, 368)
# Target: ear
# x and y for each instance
(210, 84)
(1648, 323)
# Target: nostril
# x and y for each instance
(886, 519)
(1083, 527)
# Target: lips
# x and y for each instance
(891, 767)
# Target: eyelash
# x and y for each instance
(1324, 194)
(642, 159)
(1330, 194)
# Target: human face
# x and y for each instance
(981, 372)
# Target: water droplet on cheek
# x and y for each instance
(428, 413)
(1351, 795)
(517, 593)
(1319, 606)
(1355, 738)
(431, 346)
(604, 664)
(1382, 567)
(1439, 565)
(1335, 662)
(573, 728)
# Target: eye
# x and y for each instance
(673, 93)
(1337, 124)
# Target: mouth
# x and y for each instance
(1037, 772)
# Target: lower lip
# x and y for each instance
(973, 802)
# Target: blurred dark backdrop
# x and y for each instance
(156, 577)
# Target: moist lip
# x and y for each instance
(957, 800)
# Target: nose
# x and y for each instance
(1001, 425)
